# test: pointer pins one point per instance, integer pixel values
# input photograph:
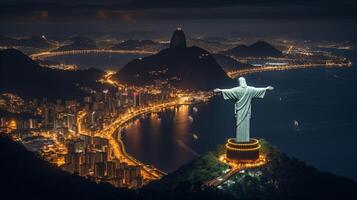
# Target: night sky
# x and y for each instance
(25, 10)
(313, 19)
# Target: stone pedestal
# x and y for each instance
(242, 151)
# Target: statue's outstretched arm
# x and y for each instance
(217, 90)
(270, 88)
(222, 90)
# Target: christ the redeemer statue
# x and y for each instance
(243, 96)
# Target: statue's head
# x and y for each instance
(242, 82)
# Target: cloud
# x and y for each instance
(132, 10)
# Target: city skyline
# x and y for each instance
(122, 99)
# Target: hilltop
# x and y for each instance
(230, 64)
(24, 175)
(281, 178)
(34, 41)
(180, 66)
(78, 43)
(257, 49)
(20, 75)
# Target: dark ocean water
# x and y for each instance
(101, 61)
(322, 100)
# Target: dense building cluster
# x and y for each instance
(77, 135)
(92, 157)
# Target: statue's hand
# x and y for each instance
(270, 88)
(217, 90)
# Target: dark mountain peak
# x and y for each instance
(228, 63)
(179, 52)
(33, 41)
(79, 43)
(178, 39)
(9, 52)
(261, 44)
(257, 49)
(21, 75)
(186, 68)
(14, 60)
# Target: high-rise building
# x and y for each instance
(46, 116)
(90, 159)
(131, 173)
(71, 147)
(99, 169)
(119, 173)
(110, 168)
(71, 122)
(33, 123)
(136, 98)
(76, 160)
(84, 169)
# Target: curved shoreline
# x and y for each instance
(235, 74)
(48, 54)
(150, 172)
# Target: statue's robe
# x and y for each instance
(243, 97)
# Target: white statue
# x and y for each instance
(243, 96)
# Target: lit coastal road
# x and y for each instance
(48, 54)
(149, 172)
(236, 73)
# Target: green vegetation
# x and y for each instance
(26, 176)
(281, 178)
(195, 173)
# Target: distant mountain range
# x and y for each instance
(138, 45)
(23, 76)
(189, 67)
(257, 49)
(78, 43)
(230, 64)
(34, 41)
(209, 44)
(181, 66)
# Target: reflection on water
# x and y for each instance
(101, 61)
(163, 139)
(322, 101)
(325, 110)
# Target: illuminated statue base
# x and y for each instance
(242, 152)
